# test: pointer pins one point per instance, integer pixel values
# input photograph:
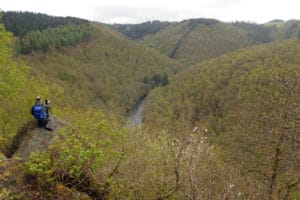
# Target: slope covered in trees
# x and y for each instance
(195, 40)
(93, 155)
(192, 41)
(53, 38)
(87, 141)
(215, 86)
(249, 103)
(108, 69)
(271, 31)
(40, 32)
(21, 23)
(17, 91)
(226, 128)
(138, 31)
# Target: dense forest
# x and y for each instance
(52, 38)
(194, 40)
(40, 32)
(138, 31)
(20, 23)
(220, 118)
(249, 104)
(106, 70)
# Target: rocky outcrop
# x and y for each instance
(38, 139)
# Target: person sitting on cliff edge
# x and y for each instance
(39, 112)
(47, 108)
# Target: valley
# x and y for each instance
(196, 109)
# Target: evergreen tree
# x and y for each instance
(165, 80)
(146, 80)
(53, 38)
(21, 23)
(156, 79)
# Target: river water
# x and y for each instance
(136, 118)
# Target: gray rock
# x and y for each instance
(38, 139)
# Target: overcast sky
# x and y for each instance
(137, 11)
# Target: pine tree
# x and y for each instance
(146, 80)
(165, 80)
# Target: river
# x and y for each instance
(136, 118)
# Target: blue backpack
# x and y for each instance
(38, 112)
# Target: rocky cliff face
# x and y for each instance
(38, 139)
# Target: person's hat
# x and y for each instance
(38, 97)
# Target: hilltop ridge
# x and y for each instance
(194, 40)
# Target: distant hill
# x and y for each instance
(256, 32)
(271, 31)
(138, 31)
(209, 90)
(284, 30)
(190, 41)
(20, 23)
(194, 40)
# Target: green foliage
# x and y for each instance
(138, 31)
(39, 165)
(258, 33)
(53, 38)
(17, 91)
(157, 80)
(5, 193)
(21, 23)
(210, 89)
(165, 80)
(192, 41)
(261, 132)
(174, 164)
(248, 100)
(80, 149)
(5, 51)
(107, 71)
(284, 30)
(195, 40)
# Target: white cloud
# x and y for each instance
(135, 11)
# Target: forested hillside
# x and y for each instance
(20, 23)
(52, 39)
(213, 87)
(249, 103)
(193, 41)
(40, 32)
(138, 31)
(18, 89)
(258, 33)
(107, 69)
(223, 126)
(94, 64)
(271, 31)
(87, 134)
